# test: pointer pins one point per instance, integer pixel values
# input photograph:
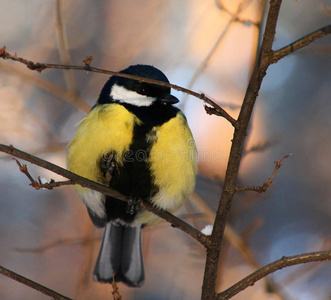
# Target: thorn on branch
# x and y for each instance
(217, 112)
(88, 61)
(3, 53)
(24, 170)
(34, 66)
(49, 185)
(266, 185)
(41, 183)
(211, 110)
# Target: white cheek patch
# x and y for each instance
(123, 95)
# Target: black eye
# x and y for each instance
(141, 90)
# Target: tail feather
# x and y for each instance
(132, 269)
(108, 261)
(120, 254)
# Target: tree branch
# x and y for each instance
(300, 43)
(285, 261)
(263, 188)
(32, 284)
(265, 59)
(240, 133)
(84, 182)
(36, 66)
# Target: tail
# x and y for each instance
(120, 253)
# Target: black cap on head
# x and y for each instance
(143, 88)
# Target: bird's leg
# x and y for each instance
(108, 164)
(133, 205)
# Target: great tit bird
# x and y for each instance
(135, 141)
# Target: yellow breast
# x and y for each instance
(173, 162)
(96, 135)
(172, 159)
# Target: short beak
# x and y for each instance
(169, 99)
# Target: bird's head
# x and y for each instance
(137, 93)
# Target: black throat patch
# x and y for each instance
(133, 178)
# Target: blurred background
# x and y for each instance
(210, 47)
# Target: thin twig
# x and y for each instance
(306, 271)
(263, 188)
(39, 67)
(300, 43)
(84, 182)
(285, 261)
(115, 292)
(38, 184)
(50, 185)
(32, 284)
(24, 170)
